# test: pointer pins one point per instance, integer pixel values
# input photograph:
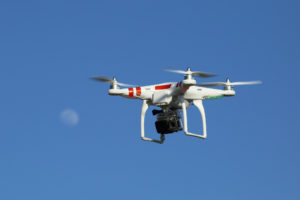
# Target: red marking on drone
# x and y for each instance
(130, 90)
(162, 87)
(138, 91)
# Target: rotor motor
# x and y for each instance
(228, 85)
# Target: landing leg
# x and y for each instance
(199, 105)
(143, 114)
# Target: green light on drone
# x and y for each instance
(215, 97)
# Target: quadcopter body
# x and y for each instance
(173, 97)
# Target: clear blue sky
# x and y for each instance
(48, 49)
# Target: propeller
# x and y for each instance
(189, 72)
(111, 81)
(229, 84)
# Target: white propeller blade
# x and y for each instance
(111, 81)
(212, 84)
(246, 83)
(229, 83)
(176, 71)
(189, 72)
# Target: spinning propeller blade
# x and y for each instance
(189, 72)
(247, 83)
(228, 83)
(111, 81)
(102, 79)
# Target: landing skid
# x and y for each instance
(197, 103)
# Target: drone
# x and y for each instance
(173, 97)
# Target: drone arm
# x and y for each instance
(199, 105)
(143, 114)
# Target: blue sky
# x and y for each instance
(48, 49)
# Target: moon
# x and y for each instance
(69, 117)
